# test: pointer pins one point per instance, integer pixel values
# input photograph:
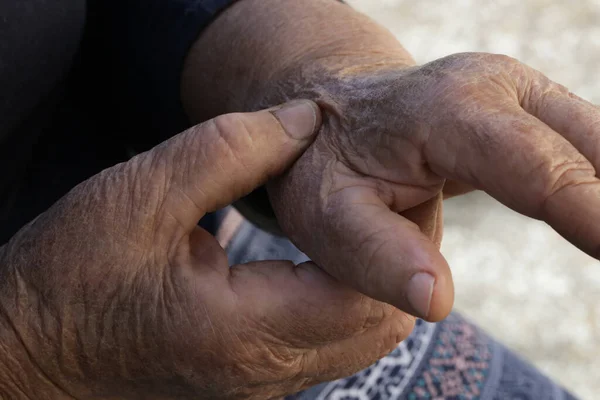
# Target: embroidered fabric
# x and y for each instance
(450, 360)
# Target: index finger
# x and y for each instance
(527, 166)
(574, 118)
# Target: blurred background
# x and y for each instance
(515, 277)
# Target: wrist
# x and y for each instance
(332, 82)
(278, 46)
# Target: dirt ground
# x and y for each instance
(514, 276)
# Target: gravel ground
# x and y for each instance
(514, 276)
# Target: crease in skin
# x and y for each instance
(428, 216)
(38, 372)
(350, 108)
(385, 187)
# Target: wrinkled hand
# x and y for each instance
(115, 293)
(365, 201)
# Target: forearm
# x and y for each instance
(260, 53)
(257, 46)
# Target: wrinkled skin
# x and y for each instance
(114, 293)
(365, 201)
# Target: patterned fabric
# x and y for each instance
(450, 360)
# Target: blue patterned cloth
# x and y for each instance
(450, 360)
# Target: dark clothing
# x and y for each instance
(83, 84)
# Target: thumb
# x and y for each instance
(217, 162)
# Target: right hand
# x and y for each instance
(115, 293)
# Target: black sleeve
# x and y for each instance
(133, 55)
(134, 52)
(38, 41)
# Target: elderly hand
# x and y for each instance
(365, 200)
(115, 293)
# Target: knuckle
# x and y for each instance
(230, 137)
(564, 175)
(501, 60)
(397, 328)
(405, 324)
(264, 358)
(569, 173)
(541, 91)
(232, 131)
(455, 61)
(468, 78)
(478, 62)
(377, 313)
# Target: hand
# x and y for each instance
(115, 293)
(365, 201)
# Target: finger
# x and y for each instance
(311, 328)
(454, 189)
(302, 309)
(303, 304)
(361, 242)
(526, 165)
(569, 115)
(346, 357)
(429, 217)
(219, 161)
(385, 256)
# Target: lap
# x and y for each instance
(452, 359)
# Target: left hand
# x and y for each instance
(365, 201)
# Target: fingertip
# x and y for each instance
(442, 299)
(430, 292)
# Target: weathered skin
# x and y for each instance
(115, 294)
(365, 201)
(393, 138)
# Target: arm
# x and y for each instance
(261, 53)
(256, 46)
(114, 293)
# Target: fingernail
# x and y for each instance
(298, 118)
(420, 291)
